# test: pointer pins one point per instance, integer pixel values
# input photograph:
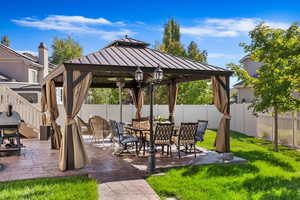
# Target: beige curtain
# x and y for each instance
(80, 91)
(43, 105)
(221, 101)
(138, 100)
(173, 91)
(53, 112)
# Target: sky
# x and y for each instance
(216, 26)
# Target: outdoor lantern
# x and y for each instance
(138, 75)
(158, 74)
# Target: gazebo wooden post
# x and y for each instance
(228, 112)
(69, 107)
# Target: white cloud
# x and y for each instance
(232, 27)
(78, 25)
(28, 51)
(223, 55)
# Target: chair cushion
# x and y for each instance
(175, 139)
(162, 142)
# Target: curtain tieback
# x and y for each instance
(70, 120)
(227, 116)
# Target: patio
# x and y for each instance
(37, 160)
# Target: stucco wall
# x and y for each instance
(15, 69)
(251, 66)
(245, 93)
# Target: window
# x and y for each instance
(32, 78)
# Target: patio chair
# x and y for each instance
(186, 137)
(163, 136)
(100, 128)
(143, 123)
(202, 126)
(120, 136)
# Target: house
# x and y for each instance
(245, 94)
(23, 72)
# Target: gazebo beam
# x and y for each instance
(117, 68)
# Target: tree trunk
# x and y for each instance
(276, 129)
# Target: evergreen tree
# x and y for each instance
(193, 52)
(5, 41)
(171, 39)
(196, 92)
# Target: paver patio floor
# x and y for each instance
(120, 177)
(37, 160)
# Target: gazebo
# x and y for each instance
(119, 62)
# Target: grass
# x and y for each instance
(268, 175)
(71, 188)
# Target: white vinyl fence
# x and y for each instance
(242, 119)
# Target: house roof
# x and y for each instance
(27, 56)
(128, 52)
(4, 77)
(36, 59)
(244, 58)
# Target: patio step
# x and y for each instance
(131, 189)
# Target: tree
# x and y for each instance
(279, 77)
(5, 41)
(171, 39)
(196, 92)
(109, 96)
(194, 53)
(65, 49)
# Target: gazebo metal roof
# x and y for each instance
(128, 52)
(121, 58)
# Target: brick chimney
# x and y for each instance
(43, 58)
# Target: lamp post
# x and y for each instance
(157, 78)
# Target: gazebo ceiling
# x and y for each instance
(121, 58)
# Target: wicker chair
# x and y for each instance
(84, 127)
(143, 123)
(186, 137)
(163, 136)
(100, 128)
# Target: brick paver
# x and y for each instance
(130, 189)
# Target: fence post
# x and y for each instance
(182, 108)
(294, 120)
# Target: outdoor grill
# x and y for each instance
(10, 137)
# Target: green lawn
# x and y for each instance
(71, 188)
(267, 175)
